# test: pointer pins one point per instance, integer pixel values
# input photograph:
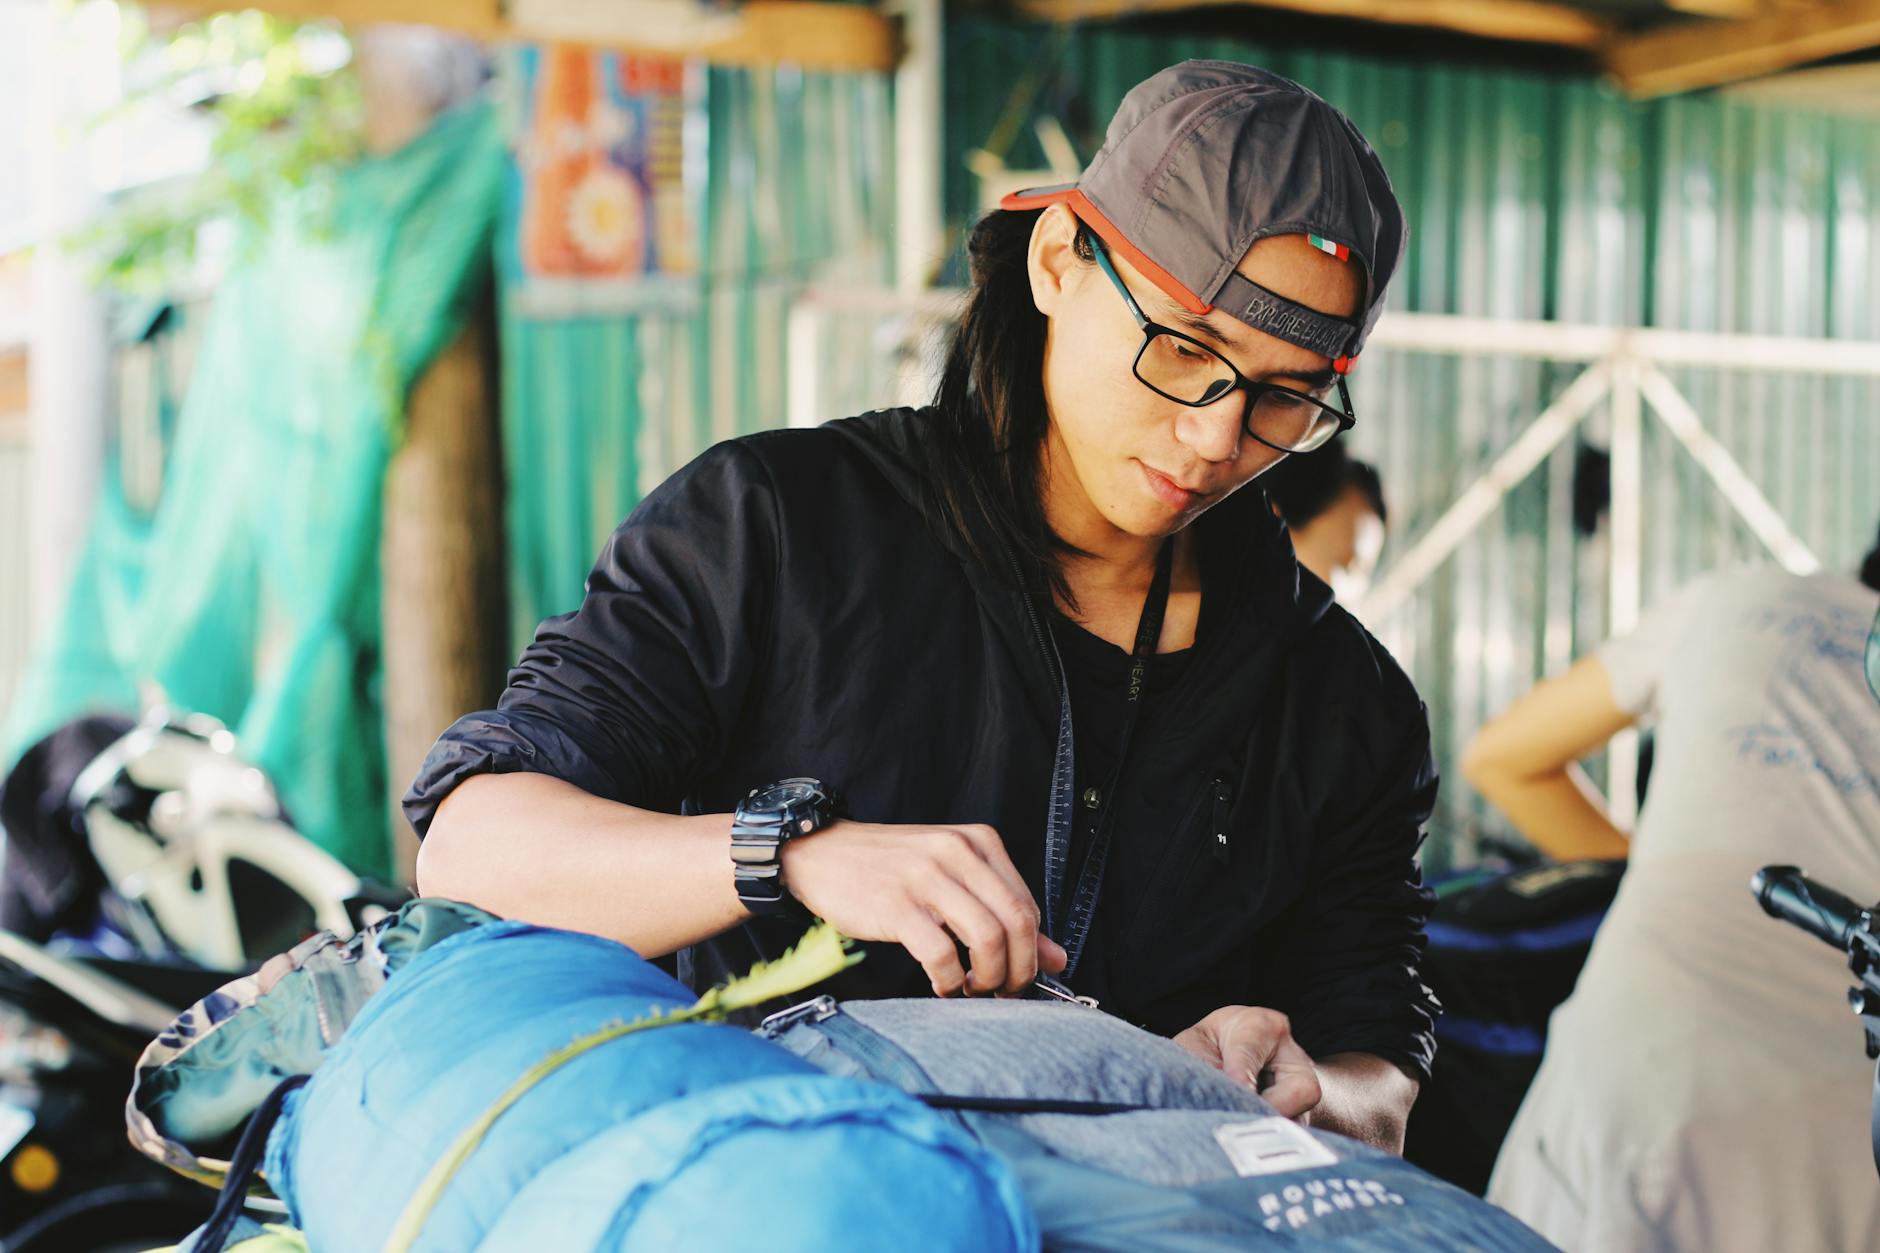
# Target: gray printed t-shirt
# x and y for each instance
(1705, 1086)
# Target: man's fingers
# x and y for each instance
(1294, 1081)
(1015, 906)
(991, 850)
(1292, 1092)
(1245, 1059)
(1016, 913)
(1201, 1042)
(1261, 1053)
(933, 948)
(975, 926)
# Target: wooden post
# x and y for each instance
(442, 566)
(442, 569)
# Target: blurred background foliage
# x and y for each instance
(280, 105)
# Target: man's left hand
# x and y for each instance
(1255, 1046)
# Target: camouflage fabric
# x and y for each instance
(198, 1081)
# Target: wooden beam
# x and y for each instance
(1850, 89)
(481, 18)
(813, 34)
(1694, 55)
(809, 33)
(1716, 8)
(1521, 21)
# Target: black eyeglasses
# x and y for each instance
(1188, 372)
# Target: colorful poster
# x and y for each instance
(605, 206)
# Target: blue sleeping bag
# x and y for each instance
(693, 1135)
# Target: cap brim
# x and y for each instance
(1037, 197)
(1068, 194)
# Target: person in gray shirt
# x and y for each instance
(1704, 1087)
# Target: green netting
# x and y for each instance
(252, 591)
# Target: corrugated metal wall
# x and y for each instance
(599, 410)
(1530, 197)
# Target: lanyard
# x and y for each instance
(1075, 921)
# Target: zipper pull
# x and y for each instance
(1217, 822)
(809, 1011)
(1061, 991)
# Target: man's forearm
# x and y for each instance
(1364, 1097)
(540, 849)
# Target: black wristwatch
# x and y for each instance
(765, 819)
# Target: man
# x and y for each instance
(910, 610)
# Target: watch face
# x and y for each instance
(792, 790)
(778, 796)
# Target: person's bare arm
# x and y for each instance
(1522, 763)
(538, 848)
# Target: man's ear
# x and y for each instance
(1051, 260)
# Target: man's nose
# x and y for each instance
(1213, 431)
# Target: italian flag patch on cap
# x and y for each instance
(1325, 245)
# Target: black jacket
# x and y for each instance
(782, 607)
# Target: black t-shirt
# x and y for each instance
(1097, 672)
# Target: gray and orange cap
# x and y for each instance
(1207, 157)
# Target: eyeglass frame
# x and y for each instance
(1252, 388)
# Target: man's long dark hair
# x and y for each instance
(985, 434)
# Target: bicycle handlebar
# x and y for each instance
(1785, 892)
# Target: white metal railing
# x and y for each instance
(1624, 365)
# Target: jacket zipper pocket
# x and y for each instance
(1221, 804)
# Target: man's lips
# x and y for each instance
(1171, 490)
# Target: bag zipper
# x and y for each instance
(1055, 988)
(882, 1058)
(814, 1010)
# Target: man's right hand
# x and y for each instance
(926, 887)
